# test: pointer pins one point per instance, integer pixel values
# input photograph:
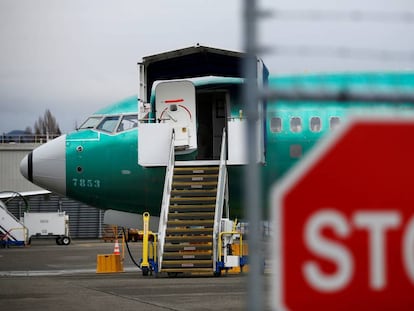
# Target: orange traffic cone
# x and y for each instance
(116, 248)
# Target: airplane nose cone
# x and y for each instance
(24, 167)
(45, 166)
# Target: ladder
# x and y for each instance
(194, 196)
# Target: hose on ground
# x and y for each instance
(129, 251)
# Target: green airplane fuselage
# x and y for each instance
(102, 167)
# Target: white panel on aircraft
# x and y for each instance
(154, 141)
(237, 130)
(237, 142)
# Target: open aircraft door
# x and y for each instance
(175, 105)
(175, 110)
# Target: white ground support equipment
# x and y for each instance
(48, 225)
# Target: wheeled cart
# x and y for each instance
(48, 225)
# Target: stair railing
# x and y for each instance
(162, 227)
(11, 224)
(222, 195)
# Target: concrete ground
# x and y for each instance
(45, 276)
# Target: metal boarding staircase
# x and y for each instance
(12, 231)
(193, 201)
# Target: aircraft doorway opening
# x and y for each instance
(211, 110)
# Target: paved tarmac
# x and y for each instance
(45, 276)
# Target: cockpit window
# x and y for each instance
(90, 123)
(127, 123)
(108, 124)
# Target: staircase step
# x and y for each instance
(187, 256)
(192, 208)
(192, 201)
(191, 215)
(189, 231)
(188, 238)
(194, 184)
(197, 177)
(198, 271)
(187, 247)
(190, 222)
(195, 170)
(186, 264)
(194, 193)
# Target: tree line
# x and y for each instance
(45, 125)
(45, 128)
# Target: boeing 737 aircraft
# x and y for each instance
(178, 149)
(103, 163)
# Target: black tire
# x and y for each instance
(172, 274)
(65, 240)
(145, 271)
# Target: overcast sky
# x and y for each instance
(75, 56)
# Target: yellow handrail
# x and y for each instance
(145, 262)
(153, 249)
(230, 232)
(154, 246)
(148, 252)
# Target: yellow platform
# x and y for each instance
(236, 251)
(109, 263)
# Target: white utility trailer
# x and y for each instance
(48, 225)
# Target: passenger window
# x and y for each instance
(334, 122)
(315, 124)
(296, 124)
(127, 123)
(276, 125)
(108, 124)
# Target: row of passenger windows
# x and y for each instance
(118, 124)
(111, 124)
(315, 124)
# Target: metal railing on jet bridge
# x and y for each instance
(165, 202)
(222, 194)
(26, 138)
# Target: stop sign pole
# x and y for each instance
(344, 222)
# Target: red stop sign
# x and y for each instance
(344, 220)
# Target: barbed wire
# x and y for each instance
(371, 96)
(343, 52)
(353, 15)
